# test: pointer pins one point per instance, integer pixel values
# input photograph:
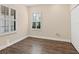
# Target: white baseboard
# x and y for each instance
(75, 46)
(50, 38)
(5, 46)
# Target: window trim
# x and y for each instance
(36, 21)
(9, 32)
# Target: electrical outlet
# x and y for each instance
(58, 35)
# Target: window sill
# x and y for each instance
(36, 29)
(7, 33)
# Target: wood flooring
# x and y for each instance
(32, 45)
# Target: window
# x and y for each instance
(13, 20)
(36, 24)
(7, 19)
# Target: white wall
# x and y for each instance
(22, 25)
(55, 19)
(75, 27)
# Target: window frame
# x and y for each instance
(38, 13)
(8, 19)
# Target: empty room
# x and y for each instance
(39, 29)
